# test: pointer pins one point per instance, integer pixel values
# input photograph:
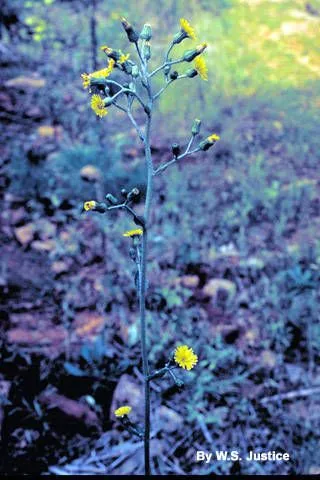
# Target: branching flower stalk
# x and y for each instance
(134, 93)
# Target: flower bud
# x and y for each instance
(131, 33)
(209, 142)
(95, 206)
(175, 149)
(167, 69)
(146, 51)
(196, 126)
(111, 53)
(179, 37)
(133, 193)
(174, 75)
(146, 32)
(108, 101)
(111, 199)
(190, 55)
(127, 67)
(89, 205)
(191, 72)
(135, 71)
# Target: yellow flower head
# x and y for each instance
(90, 205)
(123, 58)
(201, 67)
(185, 357)
(97, 105)
(105, 72)
(85, 80)
(122, 411)
(187, 28)
(214, 138)
(133, 233)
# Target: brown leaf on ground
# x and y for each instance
(71, 408)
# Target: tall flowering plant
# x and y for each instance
(134, 93)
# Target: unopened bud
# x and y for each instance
(146, 32)
(111, 199)
(175, 149)
(167, 69)
(133, 193)
(131, 33)
(190, 55)
(209, 142)
(174, 75)
(135, 71)
(127, 67)
(196, 126)
(191, 72)
(147, 51)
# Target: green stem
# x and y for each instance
(145, 364)
(143, 282)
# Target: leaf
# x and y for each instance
(85, 353)
(74, 370)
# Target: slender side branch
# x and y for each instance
(167, 85)
(172, 62)
(174, 160)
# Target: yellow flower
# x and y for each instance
(105, 72)
(185, 357)
(122, 411)
(85, 80)
(214, 138)
(90, 205)
(133, 233)
(201, 67)
(106, 49)
(123, 58)
(187, 28)
(97, 105)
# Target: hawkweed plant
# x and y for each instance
(135, 95)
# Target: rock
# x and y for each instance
(127, 392)
(46, 131)
(25, 82)
(59, 266)
(43, 246)
(190, 281)
(171, 421)
(90, 173)
(25, 234)
(45, 228)
(268, 359)
(215, 284)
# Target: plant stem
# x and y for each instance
(145, 364)
(143, 282)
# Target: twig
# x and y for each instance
(304, 392)
(174, 160)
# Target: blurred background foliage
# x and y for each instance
(235, 253)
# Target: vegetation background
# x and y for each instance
(235, 247)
